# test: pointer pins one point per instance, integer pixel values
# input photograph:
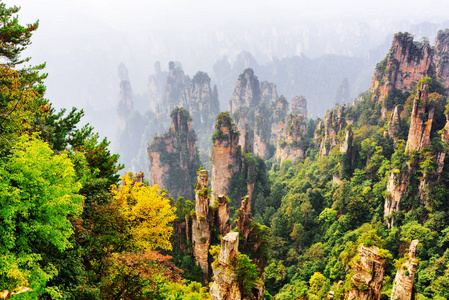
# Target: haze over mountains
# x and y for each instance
(293, 46)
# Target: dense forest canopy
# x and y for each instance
(352, 206)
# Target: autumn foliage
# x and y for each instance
(147, 213)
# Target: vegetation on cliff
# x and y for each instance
(340, 220)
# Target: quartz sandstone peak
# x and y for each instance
(225, 286)
(407, 63)
(174, 157)
(418, 137)
(369, 270)
(269, 92)
(195, 95)
(299, 106)
(292, 139)
(226, 155)
(222, 214)
(176, 92)
(247, 91)
(280, 111)
(394, 125)
(419, 132)
(243, 221)
(403, 282)
(333, 123)
(200, 224)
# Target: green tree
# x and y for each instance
(38, 195)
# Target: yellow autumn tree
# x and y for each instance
(147, 213)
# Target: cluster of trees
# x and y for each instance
(320, 210)
(67, 230)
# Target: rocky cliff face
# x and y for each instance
(403, 282)
(407, 63)
(200, 224)
(420, 121)
(299, 106)
(441, 58)
(243, 221)
(194, 95)
(333, 123)
(252, 106)
(226, 155)
(261, 144)
(203, 101)
(369, 270)
(397, 187)
(176, 88)
(222, 215)
(247, 91)
(225, 284)
(346, 146)
(174, 158)
(269, 92)
(156, 87)
(280, 111)
(246, 138)
(394, 124)
(292, 139)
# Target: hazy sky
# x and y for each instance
(134, 13)
(84, 41)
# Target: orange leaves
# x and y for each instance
(139, 275)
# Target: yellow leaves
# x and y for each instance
(18, 102)
(147, 212)
(18, 290)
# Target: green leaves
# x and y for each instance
(38, 194)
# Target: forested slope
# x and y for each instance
(353, 206)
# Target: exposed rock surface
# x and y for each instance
(222, 215)
(200, 224)
(292, 140)
(156, 86)
(421, 122)
(245, 139)
(247, 91)
(299, 106)
(407, 63)
(203, 101)
(176, 92)
(226, 155)
(394, 125)
(403, 282)
(225, 285)
(195, 95)
(261, 146)
(280, 111)
(441, 59)
(251, 106)
(346, 146)
(333, 123)
(269, 92)
(397, 187)
(369, 270)
(420, 125)
(174, 157)
(243, 221)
